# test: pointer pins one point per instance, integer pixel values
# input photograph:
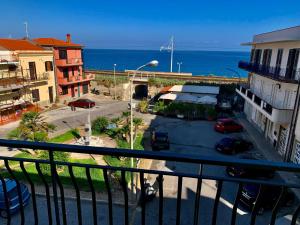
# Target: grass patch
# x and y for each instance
(137, 145)
(69, 135)
(63, 172)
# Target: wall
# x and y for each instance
(39, 58)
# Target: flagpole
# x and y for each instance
(172, 51)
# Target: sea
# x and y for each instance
(220, 63)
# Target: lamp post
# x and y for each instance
(236, 72)
(179, 66)
(152, 63)
(115, 80)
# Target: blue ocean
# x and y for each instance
(219, 63)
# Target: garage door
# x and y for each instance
(282, 141)
(297, 153)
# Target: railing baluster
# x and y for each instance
(41, 175)
(79, 215)
(276, 207)
(124, 186)
(6, 200)
(256, 205)
(88, 175)
(178, 207)
(161, 199)
(295, 216)
(197, 201)
(20, 196)
(143, 205)
(110, 212)
(216, 204)
(35, 213)
(62, 199)
(236, 202)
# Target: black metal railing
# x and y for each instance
(49, 189)
(276, 73)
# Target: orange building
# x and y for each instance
(70, 77)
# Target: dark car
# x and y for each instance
(228, 125)
(82, 103)
(239, 171)
(230, 145)
(160, 140)
(13, 197)
(268, 197)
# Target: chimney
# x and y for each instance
(68, 38)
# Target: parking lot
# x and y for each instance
(199, 138)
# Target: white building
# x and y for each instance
(271, 95)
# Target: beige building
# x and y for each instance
(26, 77)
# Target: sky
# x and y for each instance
(220, 25)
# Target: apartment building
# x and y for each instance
(71, 79)
(26, 77)
(271, 97)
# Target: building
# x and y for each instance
(26, 77)
(271, 99)
(71, 79)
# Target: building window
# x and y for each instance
(66, 73)
(73, 71)
(64, 90)
(35, 95)
(48, 66)
(63, 54)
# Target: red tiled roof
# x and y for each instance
(15, 44)
(54, 42)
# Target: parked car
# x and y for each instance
(159, 140)
(228, 125)
(13, 197)
(82, 103)
(232, 145)
(238, 171)
(267, 199)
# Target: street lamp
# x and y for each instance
(152, 63)
(179, 66)
(115, 80)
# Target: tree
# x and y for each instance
(99, 125)
(34, 128)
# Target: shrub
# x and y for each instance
(58, 156)
(211, 112)
(99, 125)
(159, 107)
(143, 106)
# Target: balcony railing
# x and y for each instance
(52, 174)
(275, 73)
(68, 62)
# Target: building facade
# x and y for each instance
(72, 82)
(26, 77)
(271, 97)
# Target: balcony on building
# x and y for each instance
(276, 111)
(75, 79)
(102, 194)
(68, 62)
(8, 60)
(275, 73)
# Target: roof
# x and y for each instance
(165, 89)
(282, 35)
(55, 42)
(195, 89)
(16, 44)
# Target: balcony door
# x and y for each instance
(292, 63)
(278, 61)
(32, 71)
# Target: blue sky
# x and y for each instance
(139, 24)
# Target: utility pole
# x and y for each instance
(26, 29)
(170, 48)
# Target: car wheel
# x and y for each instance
(3, 213)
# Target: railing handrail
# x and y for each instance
(185, 158)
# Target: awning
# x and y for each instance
(169, 96)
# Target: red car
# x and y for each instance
(82, 103)
(228, 125)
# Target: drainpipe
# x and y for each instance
(55, 76)
(291, 136)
